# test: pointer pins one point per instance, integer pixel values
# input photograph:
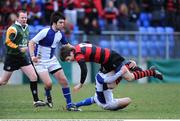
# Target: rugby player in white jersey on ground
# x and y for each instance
(104, 91)
(42, 52)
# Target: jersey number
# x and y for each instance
(85, 45)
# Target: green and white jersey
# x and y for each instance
(16, 37)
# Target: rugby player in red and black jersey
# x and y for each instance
(109, 60)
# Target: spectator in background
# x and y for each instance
(11, 19)
(110, 14)
(178, 16)
(60, 5)
(68, 27)
(24, 5)
(89, 9)
(70, 12)
(34, 13)
(134, 11)
(1, 24)
(49, 8)
(146, 6)
(91, 27)
(7, 9)
(95, 27)
(17, 6)
(158, 13)
(170, 8)
(123, 19)
(86, 25)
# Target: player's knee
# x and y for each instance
(3, 82)
(128, 100)
(130, 77)
(124, 102)
(63, 82)
(48, 85)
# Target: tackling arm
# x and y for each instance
(109, 78)
(83, 67)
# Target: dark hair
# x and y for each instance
(56, 16)
(65, 51)
(21, 11)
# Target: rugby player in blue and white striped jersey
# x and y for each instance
(42, 52)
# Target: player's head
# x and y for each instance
(57, 20)
(67, 53)
(22, 17)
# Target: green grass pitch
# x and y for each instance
(149, 101)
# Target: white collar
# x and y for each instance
(17, 23)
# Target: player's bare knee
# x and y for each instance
(3, 82)
(63, 82)
(48, 85)
(129, 78)
(128, 100)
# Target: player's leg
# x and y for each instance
(44, 76)
(31, 74)
(132, 66)
(85, 102)
(60, 76)
(117, 104)
(5, 77)
(140, 74)
(56, 69)
(9, 66)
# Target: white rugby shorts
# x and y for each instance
(110, 104)
(47, 65)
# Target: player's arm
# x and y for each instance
(10, 37)
(32, 43)
(109, 79)
(83, 68)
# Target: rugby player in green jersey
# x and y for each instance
(17, 36)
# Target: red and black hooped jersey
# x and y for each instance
(90, 53)
(109, 59)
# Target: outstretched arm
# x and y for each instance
(83, 68)
(108, 78)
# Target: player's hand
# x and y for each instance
(34, 59)
(77, 87)
(23, 49)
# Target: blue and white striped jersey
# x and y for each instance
(46, 41)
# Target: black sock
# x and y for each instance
(33, 86)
